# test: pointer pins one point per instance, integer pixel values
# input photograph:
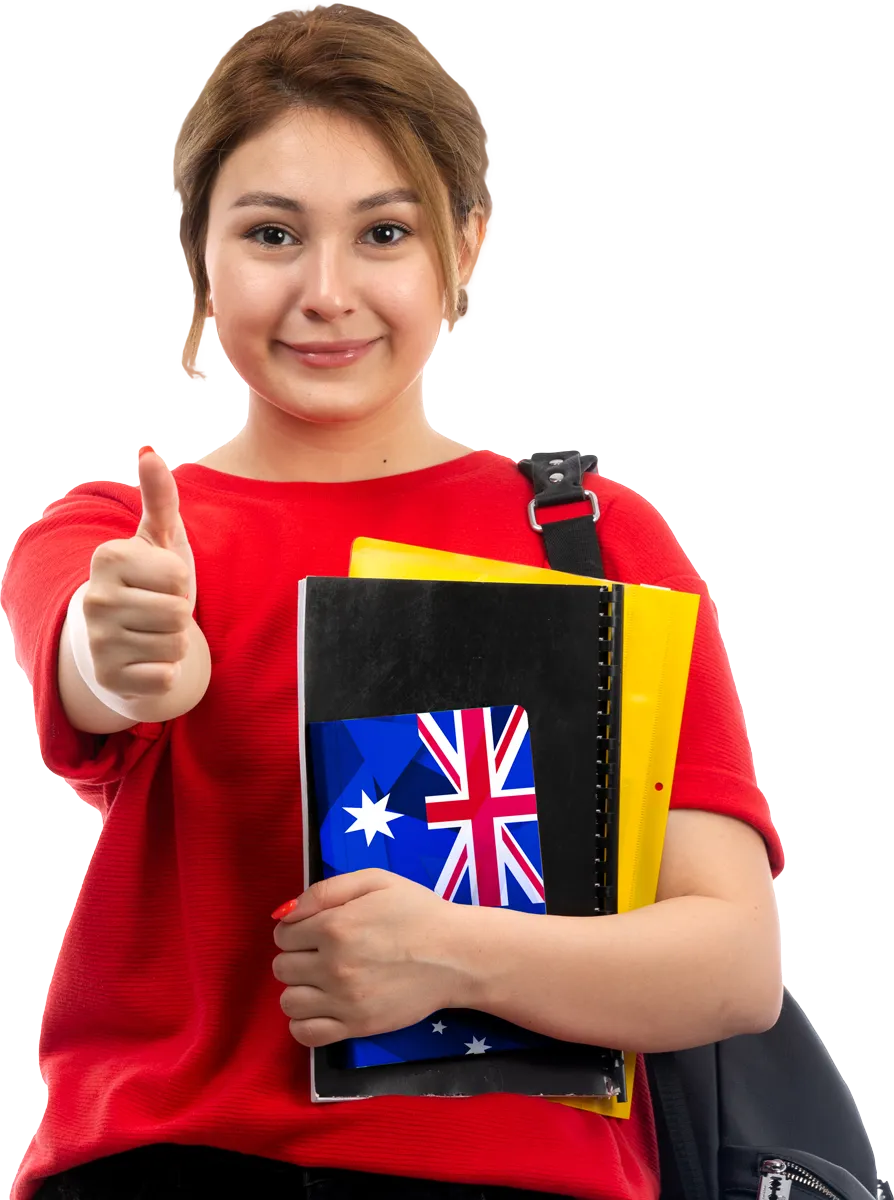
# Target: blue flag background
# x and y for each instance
(371, 780)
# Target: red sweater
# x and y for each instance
(163, 1020)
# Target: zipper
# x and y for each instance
(778, 1175)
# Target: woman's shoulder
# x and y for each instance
(100, 492)
(635, 535)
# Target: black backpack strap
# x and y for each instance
(572, 545)
(571, 542)
(682, 1171)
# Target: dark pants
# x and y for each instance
(207, 1173)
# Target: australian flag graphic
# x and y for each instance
(446, 799)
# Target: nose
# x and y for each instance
(325, 282)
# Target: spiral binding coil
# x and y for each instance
(608, 739)
(607, 783)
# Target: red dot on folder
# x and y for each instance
(659, 787)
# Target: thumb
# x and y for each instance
(332, 893)
(160, 523)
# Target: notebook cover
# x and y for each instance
(376, 648)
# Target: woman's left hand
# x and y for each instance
(365, 953)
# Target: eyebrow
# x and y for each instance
(377, 200)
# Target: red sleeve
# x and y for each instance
(49, 562)
(715, 768)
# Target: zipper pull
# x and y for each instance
(774, 1185)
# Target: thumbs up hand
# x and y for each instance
(139, 600)
(162, 525)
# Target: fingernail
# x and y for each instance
(284, 910)
(146, 450)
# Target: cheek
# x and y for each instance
(257, 295)
(246, 311)
(409, 300)
(408, 309)
(245, 294)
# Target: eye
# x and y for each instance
(250, 236)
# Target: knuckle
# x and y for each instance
(345, 976)
(315, 1033)
(183, 610)
(103, 676)
(176, 574)
(96, 601)
(166, 677)
(99, 638)
(302, 1032)
(158, 682)
(335, 928)
(109, 553)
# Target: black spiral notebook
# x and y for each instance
(467, 736)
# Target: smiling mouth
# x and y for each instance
(332, 358)
(329, 347)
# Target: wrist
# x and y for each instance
(472, 935)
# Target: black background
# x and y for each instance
(667, 220)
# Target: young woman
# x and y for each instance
(334, 205)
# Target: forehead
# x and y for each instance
(312, 153)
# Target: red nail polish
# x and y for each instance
(284, 910)
(146, 450)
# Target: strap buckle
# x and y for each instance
(557, 479)
(594, 504)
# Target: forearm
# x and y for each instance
(683, 972)
(93, 709)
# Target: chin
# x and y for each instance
(327, 414)
(327, 409)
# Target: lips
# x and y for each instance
(330, 347)
(323, 359)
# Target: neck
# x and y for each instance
(276, 446)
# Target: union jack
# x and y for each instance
(483, 808)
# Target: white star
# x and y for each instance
(372, 817)
(439, 1027)
(477, 1045)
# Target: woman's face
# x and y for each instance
(346, 266)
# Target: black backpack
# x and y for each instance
(760, 1115)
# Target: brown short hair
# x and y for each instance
(360, 63)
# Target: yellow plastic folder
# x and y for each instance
(659, 627)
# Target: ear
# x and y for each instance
(474, 234)
(209, 310)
